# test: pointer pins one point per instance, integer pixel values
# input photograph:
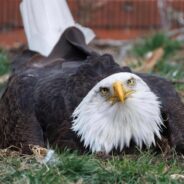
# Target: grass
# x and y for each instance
(4, 66)
(4, 63)
(144, 167)
(172, 71)
(74, 168)
(157, 40)
(171, 65)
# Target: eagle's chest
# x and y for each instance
(117, 130)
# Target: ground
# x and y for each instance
(71, 168)
(143, 167)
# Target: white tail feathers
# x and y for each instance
(45, 21)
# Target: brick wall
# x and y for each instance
(135, 14)
(109, 18)
(9, 14)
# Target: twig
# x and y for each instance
(151, 62)
(177, 81)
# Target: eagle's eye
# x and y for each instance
(104, 91)
(131, 82)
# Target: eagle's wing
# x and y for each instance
(20, 61)
(172, 109)
(18, 124)
(70, 47)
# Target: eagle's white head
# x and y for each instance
(118, 109)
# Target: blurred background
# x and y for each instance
(110, 19)
(144, 34)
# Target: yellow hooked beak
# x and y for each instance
(120, 93)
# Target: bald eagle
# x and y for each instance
(81, 100)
